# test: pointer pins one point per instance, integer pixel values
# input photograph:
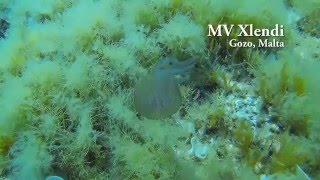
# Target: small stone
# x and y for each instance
(257, 168)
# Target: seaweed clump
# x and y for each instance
(310, 23)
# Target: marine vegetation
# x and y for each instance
(135, 89)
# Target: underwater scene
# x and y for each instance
(159, 89)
